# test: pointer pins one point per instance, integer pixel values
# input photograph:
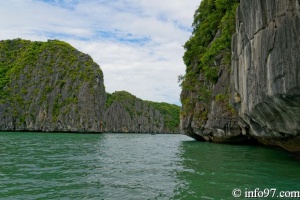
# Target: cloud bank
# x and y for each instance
(137, 43)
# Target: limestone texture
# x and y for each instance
(256, 97)
(206, 112)
(126, 113)
(266, 71)
(52, 87)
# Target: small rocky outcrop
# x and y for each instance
(266, 71)
(127, 113)
(49, 86)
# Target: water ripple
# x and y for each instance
(134, 166)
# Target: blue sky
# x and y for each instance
(137, 43)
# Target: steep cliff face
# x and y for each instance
(52, 87)
(127, 113)
(206, 111)
(49, 86)
(266, 71)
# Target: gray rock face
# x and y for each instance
(52, 87)
(143, 119)
(213, 119)
(222, 123)
(206, 113)
(56, 89)
(128, 114)
(266, 71)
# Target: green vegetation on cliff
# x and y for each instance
(119, 96)
(138, 108)
(170, 112)
(213, 26)
(17, 54)
(51, 86)
(123, 96)
(206, 50)
(41, 83)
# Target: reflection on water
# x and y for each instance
(135, 166)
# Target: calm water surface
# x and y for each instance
(136, 166)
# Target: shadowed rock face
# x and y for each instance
(266, 71)
(52, 87)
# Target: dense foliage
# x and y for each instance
(37, 71)
(213, 26)
(16, 54)
(206, 43)
(119, 96)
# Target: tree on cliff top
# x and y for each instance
(212, 30)
(213, 26)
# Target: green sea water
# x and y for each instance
(137, 166)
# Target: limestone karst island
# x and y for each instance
(52, 87)
(241, 82)
(235, 135)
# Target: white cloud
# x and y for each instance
(137, 43)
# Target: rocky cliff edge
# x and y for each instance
(266, 71)
(49, 86)
(52, 87)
